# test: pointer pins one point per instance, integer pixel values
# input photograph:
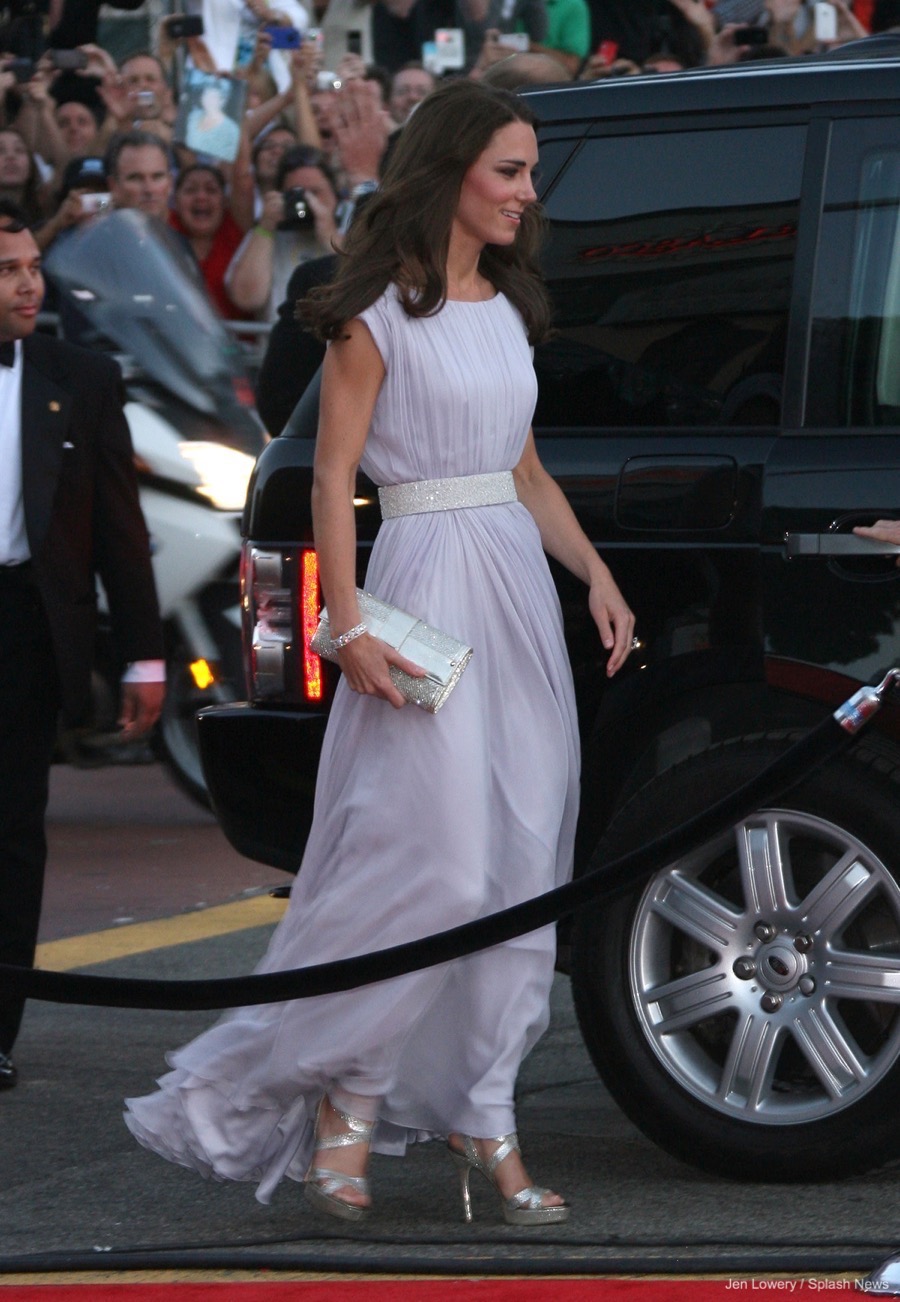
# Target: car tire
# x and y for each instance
(798, 906)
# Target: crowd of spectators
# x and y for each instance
(316, 91)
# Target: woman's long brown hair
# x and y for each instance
(403, 234)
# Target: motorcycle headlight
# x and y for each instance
(224, 473)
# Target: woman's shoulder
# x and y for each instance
(382, 317)
(386, 306)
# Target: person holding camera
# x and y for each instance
(81, 195)
(299, 221)
(136, 94)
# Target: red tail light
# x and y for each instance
(313, 685)
(280, 610)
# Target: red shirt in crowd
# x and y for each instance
(215, 264)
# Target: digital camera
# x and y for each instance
(297, 213)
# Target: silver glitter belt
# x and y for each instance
(447, 494)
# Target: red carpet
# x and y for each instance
(425, 1290)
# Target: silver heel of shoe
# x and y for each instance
(525, 1207)
(461, 1162)
(323, 1184)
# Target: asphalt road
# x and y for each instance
(138, 872)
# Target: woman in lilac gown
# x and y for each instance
(422, 821)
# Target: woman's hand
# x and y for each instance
(272, 213)
(613, 619)
(366, 663)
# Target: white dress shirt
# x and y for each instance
(14, 549)
(13, 538)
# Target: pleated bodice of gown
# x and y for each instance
(421, 821)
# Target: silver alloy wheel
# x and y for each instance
(765, 970)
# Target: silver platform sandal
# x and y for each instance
(524, 1208)
(322, 1184)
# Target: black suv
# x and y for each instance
(721, 404)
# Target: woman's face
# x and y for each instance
(324, 105)
(15, 161)
(268, 156)
(77, 126)
(200, 204)
(211, 99)
(497, 188)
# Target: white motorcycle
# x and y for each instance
(125, 283)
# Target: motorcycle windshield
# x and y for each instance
(129, 280)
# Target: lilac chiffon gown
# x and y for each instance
(421, 821)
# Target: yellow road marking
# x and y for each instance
(142, 937)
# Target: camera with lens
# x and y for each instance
(298, 215)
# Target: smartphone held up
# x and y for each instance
(825, 18)
(181, 27)
(284, 38)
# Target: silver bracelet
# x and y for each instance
(349, 636)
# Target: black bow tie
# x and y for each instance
(8, 353)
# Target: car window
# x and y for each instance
(670, 263)
(855, 358)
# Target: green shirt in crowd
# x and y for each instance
(568, 26)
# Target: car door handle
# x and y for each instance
(800, 545)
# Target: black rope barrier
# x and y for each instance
(829, 739)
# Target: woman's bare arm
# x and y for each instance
(565, 540)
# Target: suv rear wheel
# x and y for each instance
(744, 1007)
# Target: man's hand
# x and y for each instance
(141, 707)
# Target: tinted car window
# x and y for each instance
(855, 364)
(670, 263)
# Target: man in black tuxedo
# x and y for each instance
(68, 510)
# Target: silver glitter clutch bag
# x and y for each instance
(441, 656)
